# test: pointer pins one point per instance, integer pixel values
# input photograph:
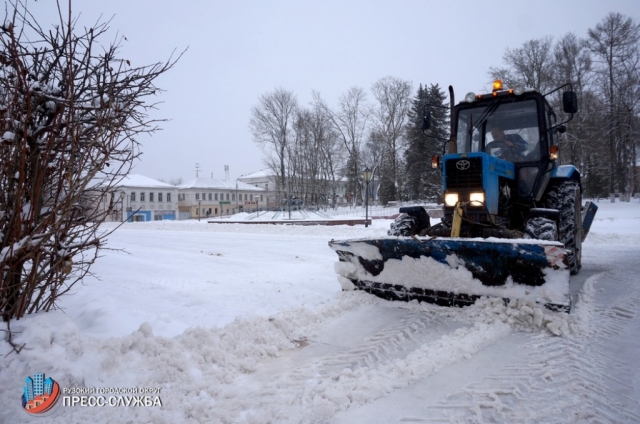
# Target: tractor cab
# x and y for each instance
(501, 156)
(517, 126)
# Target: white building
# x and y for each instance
(267, 180)
(139, 198)
(204, 198)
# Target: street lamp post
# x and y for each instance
(366, 176)
(122, 194)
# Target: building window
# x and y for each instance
(210, 196)
(159, 197)
(233, 196)
(142, 196)
(151, 197)
(261, 198)
(227, 201)
(245, 197)
(197, 196)
(216, 196)
(266, 186)
(133, 196)
(204, 196)
(168, 197)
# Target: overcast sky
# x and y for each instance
(238, 50)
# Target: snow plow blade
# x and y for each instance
(455, 272)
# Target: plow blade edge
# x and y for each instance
(455, 272)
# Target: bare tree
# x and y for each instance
(614, 43)
(331, 153)
(349, 121)
(373, 157)
(390, 117)
(271, 125)
(572, 63)
(316, 153)
(70, 111)
(529, 65)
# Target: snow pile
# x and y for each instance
(195, 365)
(523, 315)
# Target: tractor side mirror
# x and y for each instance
(569, 102)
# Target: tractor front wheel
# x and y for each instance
(566, 197)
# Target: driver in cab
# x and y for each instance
(509, 147)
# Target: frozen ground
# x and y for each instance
(246, 323)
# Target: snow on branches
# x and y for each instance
(70, 113)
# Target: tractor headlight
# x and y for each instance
(450, 199)
(476, 199)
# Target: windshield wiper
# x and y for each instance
(485, 115)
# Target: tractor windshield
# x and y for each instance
(505, 128)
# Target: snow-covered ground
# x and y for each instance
(247, 323)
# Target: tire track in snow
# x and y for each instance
(390, 343)
(559, 380)
(420, 343)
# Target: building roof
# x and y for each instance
(137, 180)
(218, 184)
(264, 173)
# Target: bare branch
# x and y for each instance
(70, 114)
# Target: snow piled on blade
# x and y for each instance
(428, 273)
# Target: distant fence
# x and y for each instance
(376, 211)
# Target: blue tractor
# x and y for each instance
(513, 222)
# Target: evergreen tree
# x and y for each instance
(421, 180)
(388, 190)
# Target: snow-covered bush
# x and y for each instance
(70, 112)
